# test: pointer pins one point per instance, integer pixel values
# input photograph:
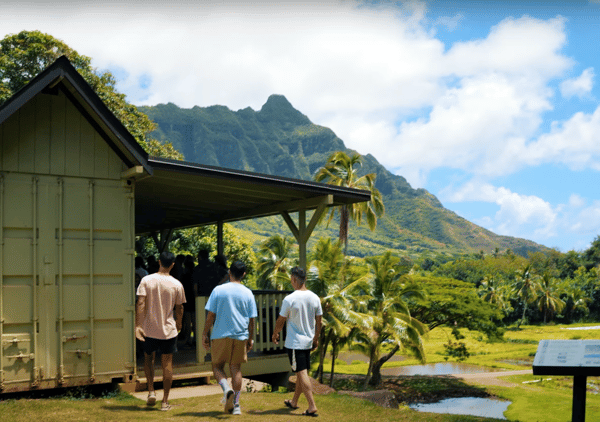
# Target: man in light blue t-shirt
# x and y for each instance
(302, 312)
(231, 314)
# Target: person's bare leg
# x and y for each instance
(219, 371)
(221, 377)
(236, 377)
(297, 392)
(167, 367)
(149, 370)
(304, 380)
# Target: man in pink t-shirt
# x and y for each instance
(157, 325)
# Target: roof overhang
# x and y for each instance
(182, 194)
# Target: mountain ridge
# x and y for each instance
(280, 140)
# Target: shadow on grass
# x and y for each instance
(212, 415)
(282, 412)
(131, 408)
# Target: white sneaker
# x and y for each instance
(151, 401)
(228, 397)
(237, 410)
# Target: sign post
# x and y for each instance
(577, 358)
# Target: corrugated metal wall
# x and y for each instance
(66, 251)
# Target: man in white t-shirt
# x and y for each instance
(157, 325)
(302, 312)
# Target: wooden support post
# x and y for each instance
(162, 243)
(303, 231)
(303, 238)
(220, 246)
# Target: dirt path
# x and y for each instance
(492, 378)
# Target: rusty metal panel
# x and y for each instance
(17, 357)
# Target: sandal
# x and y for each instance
(288, 403)
(307, 413)
(165, 406)
(151, 401)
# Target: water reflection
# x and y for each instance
(442, 368)
(474, 406)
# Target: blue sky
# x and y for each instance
(492, 106)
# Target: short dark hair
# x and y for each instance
(237, 270)
(300, 273)
(166, 259)
(203, 254)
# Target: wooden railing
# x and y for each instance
(268, 304)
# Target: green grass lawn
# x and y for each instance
(255, 407)
(548, 400)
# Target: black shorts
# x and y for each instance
(300, 357)
(165, 347)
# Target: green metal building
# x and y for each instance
(75, 190)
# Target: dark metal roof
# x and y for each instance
(63, 76)
(182, 194)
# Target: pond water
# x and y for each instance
(442, 368)
(474, 406)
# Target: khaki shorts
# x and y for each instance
(228, 350)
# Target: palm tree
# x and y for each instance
(526, 287)
(275, 263)
(493, 290)
(391, 319)
(331, 278)
(575, 298)
(341, 170)
(548, 301)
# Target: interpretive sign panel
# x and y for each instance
(578, 358)
(567, 357)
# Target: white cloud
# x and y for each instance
(491, 96)
(575, 143)
(517, 213)
(587, 220)
(450, 22)
(530, 216)
(576, 201)
(580, 86)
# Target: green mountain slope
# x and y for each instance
(280, 140)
